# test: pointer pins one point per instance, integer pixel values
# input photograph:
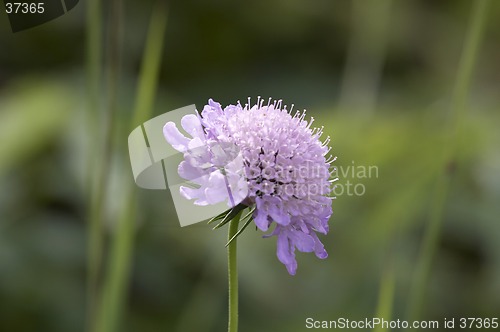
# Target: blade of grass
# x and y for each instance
(460, 93)
(117, 275)
(93, 71)
(386, 297)
(150, 66)
(115, 283)
(100, 187)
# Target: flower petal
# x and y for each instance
(292, 268)
(286, 252)
(260, 219)
(194, 193)
(174, 137)
(278, 214)
(189, 172)
(283, 249)
(319, 249)
(192, 125)
(304, 242)
(217, 190)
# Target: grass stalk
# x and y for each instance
(103, 156)
(93, 72)
(459, 105)
(118, 273)
(386, 296)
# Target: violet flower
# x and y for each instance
(283, 170)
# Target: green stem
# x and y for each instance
(233, 275)
(120, 259)
(100, 186)
(94, 245)
(459, 101)
(386, 295)
(151, 63)
(95, 239)
(113, 297)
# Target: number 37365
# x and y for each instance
(24, 8)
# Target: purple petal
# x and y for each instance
(284, 250)
(292, 268)
(238, 186)
(260, 219)
(189, 172)
(174, 137)
(276, 231)
(216, 190)
(279, 215)
(191, 193)
(192, 125)
(215, 105)
(302, 241)
(319, 249)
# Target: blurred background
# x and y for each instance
(378, 75)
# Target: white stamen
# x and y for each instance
(310, 123)
(279, 104)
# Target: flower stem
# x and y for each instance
(459, 101)
(233, 275)
(94, 68)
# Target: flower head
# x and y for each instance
(273, 161)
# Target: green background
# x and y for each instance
(378, 75)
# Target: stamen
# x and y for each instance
(330, 160)
(310, 123)
(302, 116)
(318, 133)
(279, 104)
